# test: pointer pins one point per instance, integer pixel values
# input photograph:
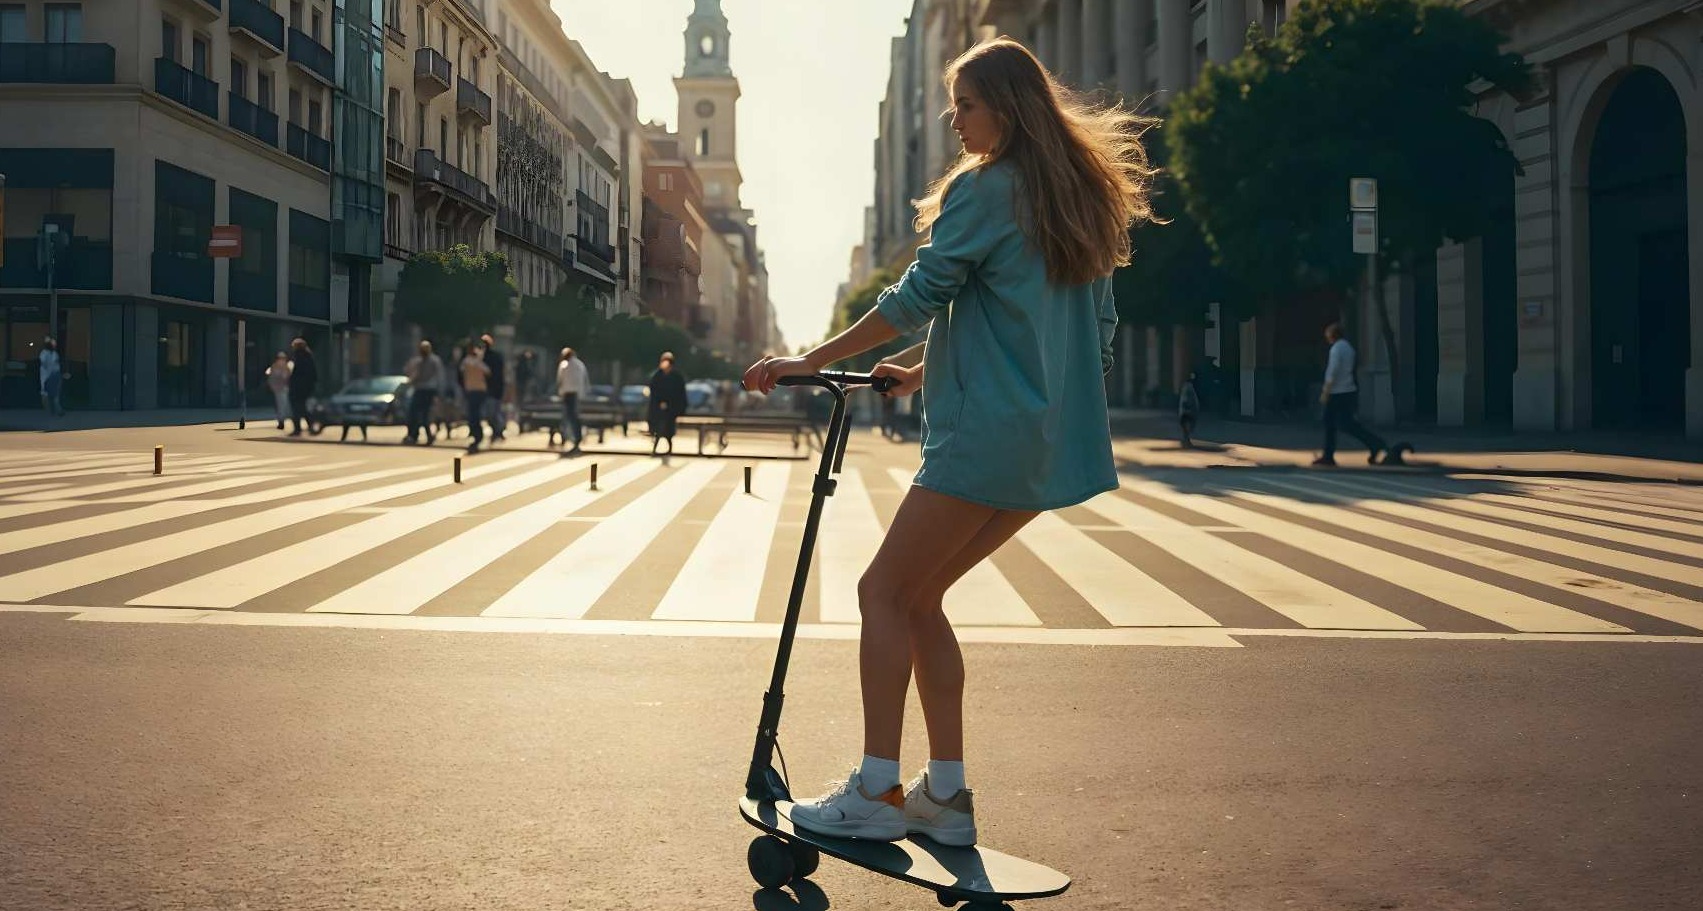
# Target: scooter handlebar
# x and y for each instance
(877, 383)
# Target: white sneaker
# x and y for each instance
(950, 822)
(848, 811)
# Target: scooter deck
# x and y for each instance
(964, 874)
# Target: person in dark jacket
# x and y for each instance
(667, 401)
(304, 376)
(494, 360)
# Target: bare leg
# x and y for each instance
(927, 531)
(935, 654)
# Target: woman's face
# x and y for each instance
(974, 123)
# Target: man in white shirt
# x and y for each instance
(572, 378)
(1341, 396)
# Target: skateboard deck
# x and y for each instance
(965, 874)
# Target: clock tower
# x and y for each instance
(709, 94)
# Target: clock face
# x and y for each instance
(706, 45)
(706, 108)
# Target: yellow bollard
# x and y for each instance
(594, 476)
(747, 479)
(458, 469)
(159, 459)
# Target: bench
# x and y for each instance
(546, 414)
(797, 426)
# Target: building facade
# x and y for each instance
(134, 128)
(673, 229)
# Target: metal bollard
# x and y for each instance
(594, 476)
(159, 459)
(458, 469)
(747, 479)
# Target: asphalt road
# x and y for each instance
(166, 766)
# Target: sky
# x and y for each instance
(812, 74)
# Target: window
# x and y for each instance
(478, 156)
(263, 96)
(13, 25)
(443, 137)
(239, 78)
(665, 182)
(393, 220)
(183, 212)
(253, 276)
(419, 126)
(393, 112)
(169, 47)
(443, 36)
(296, 14)
(199, 48)
(315, 114)
(318, 22)
(704, 143)
(296, 106)
(310, 266)
(64, 23)
(420, 33)
(1273, 15)
(475, 71)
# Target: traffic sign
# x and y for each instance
(226, 242)
(1363, 193)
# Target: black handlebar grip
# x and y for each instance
(878, 383)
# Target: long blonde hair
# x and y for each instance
(1084, 174)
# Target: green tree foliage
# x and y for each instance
(635, 342)
(456, 293)
(1264, 146)
(1171, 277)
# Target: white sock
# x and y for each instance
(945, 778)
(878, 775)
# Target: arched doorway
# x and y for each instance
(1639, 265)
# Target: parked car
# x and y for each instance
(700, 397)
(375, 400)
(633, 398)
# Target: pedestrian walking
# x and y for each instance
(304, 377)
(1341, 397)
(278, 381)
(494, 394)
(475, 377)
(52, 378)
(1188, 410)
(667, 402)
(525, 369)
(1025, 230)
(572, 379)
(425, 377)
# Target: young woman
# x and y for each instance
(1025, 230)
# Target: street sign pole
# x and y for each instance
(1363, 206)
(242, 373)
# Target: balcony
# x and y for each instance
(528, 231)
(312, 58)
(252, 119)
(186, 276)
(393, 31)
(209, 9)
(431, 73)
(472, 104)
(308, 147)
(64, 64)
(396, 152)
(598, 258)
(193, 91)
(428, 168)
(260, 24)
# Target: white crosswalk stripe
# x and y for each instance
(1432, 543)
(572, 581)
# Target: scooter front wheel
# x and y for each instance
(771, 861)
(805, 860)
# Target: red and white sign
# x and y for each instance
(226, 242)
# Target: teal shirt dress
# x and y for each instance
(1014, 397)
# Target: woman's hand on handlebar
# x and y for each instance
(767, 372)
(906, 380)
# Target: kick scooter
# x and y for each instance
(984, 879)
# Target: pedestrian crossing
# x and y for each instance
(680, 545)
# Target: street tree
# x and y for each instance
(1264, 146)
(456, 293)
